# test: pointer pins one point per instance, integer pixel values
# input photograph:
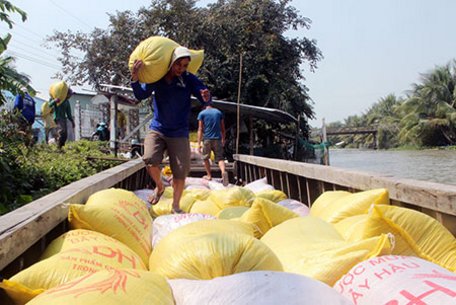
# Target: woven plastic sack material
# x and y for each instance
(165, 205)
(210, 248)
(84, 257)
(325, 201)
(393, 280)
(201, 194)
(85, 238)
(117, 213)
(416, 234)
(352, 228)
(231, 197)
(265, 214)
(256, 287)
(230, 213)
(59, 90)
(312, 247)
(272, 195)
(296, 206)
(163, 225)
(259, 185)
(205, 207)
(334, 206)
(112, 287)
(156, 53)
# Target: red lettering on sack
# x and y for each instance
(379, 275)
(355, 296)
(377, 261)
(141, 219)
(436, 275)
(111, 253)
(419, 300)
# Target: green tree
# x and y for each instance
(429, 114)
(272, 63)
(10, 79)
(384, 116)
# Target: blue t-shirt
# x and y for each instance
(172, 103)
(26, 105)
(211, 118)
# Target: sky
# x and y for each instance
(370, 48)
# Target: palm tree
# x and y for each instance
(10, 79)
(429, 112)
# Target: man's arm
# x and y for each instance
(199, 90)
(141, 91)
(200, 134)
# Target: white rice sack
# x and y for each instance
(196, 187)
(259, 185)
(163, 225)
(216, 186)
(196, 181)
(256, 287)
(395, 280)
(144, 195)
(296, 206)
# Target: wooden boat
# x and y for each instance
(25, 232)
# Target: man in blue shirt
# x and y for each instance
(169, 128)
(26, 105)
(211, 128)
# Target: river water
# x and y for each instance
(428, 165)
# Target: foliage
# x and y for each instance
(10, 79)
(429, 114)
(31, 172)
(425, 118)
(272, 63)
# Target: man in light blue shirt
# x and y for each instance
(211, 129)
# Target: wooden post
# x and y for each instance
(113, 124)
(325, 140)
(238, 123)
(77, 121)
(298, 130)
(251, 134)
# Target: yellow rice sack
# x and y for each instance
(156, 53)
(205, 207)
(312, 247)
(209, 249)
(117, 213)
(59, 90)
(165, 205)
(233, 212)
(416, 234)
(272, 195)
(120, 286)
(335, 206)
(233, 196)
(352, 228)
(265, 214)
(70, 256)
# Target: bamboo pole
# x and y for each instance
(238, 125)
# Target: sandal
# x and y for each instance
(206, 177)
(177, 211)
(153, 200)
(225, 179)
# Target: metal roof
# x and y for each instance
(269, 114)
